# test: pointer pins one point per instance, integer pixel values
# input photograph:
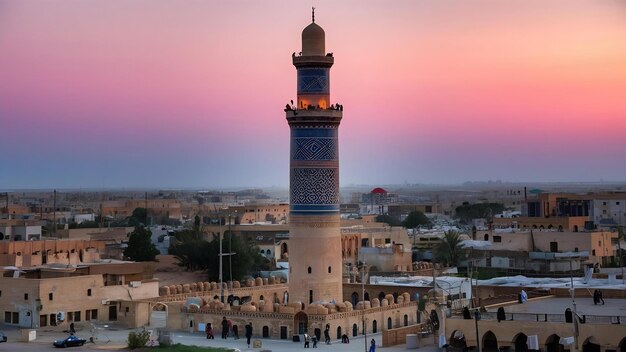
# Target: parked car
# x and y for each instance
(3, 337)
(70, 341)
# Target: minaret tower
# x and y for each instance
(315, 265)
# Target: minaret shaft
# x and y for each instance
(315, 265)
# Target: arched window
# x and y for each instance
(374, 327)
(262, 251)
(406, 320)
(261, 298)
(330, 269)
(486, 237)
(389, 324)
(309, 270)
(310, 296)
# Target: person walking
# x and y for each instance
(600, 297)
(307, 338)
(209, 332)
(248, 333)
(373, 346)
(596, 296)
(236, 331)
(224, 328)
(327, 334)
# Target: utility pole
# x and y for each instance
(54, 216)
(230, 250)
(221, 265)
(575, 320)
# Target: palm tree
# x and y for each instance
(448, 251)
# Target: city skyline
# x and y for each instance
(190, 94)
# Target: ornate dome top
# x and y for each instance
(313, 40)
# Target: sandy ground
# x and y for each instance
(169, 273)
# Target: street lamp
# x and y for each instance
(572, 255)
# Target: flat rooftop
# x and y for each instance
(584, 306)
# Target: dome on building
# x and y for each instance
(313, 40)
(379, 190)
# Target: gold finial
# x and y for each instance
(313, 14)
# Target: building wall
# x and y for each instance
(47, 297)
(610, 335)
(180, 319)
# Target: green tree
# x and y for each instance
(467, 212)
(140, 247)
(389, 220)
(197, 254)
(416, 219)
(139, 217)
(448, 251)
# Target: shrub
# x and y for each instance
(138, 339)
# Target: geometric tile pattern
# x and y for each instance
(313, 80)
(306, 148)
(314, 186)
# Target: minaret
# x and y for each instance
(315, 265)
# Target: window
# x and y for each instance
(16, 317)
(7, 317)
(593, 252)
(497, 238)
(50, 296)
(26, 296)
(127, 310)
(88, 292)
(330, 269)
(616, 203)
(310, 296)
(94, 314)
(309, 270)
(77, 316)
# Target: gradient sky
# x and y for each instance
(155, 93)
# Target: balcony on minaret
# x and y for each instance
(312, 115)
(314, 61)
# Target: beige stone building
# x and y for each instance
(60, 294)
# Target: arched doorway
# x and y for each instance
(389, 323)
(622, 345)
(521, 342)
(355, 298)
(367, 296)
(266, 331)
(381, 296)
(553, 345)
(434, 320)
(355, 330)
(284, 252)
(158, 315)
(338, 332)
(301, 322)
(374, 327)
(591, 345)
(490, 342)
(457, 341)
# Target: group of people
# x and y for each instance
(597, 297)
(228, 329)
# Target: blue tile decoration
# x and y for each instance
(313, 80)
(314, 186)
(314, 148)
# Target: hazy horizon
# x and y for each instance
(179, 94)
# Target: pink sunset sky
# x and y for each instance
(155, 93)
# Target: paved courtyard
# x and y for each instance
(115, 339)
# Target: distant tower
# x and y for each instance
(315, 265)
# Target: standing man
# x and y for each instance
(248, 333)
(224, 328)
(327, 334)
